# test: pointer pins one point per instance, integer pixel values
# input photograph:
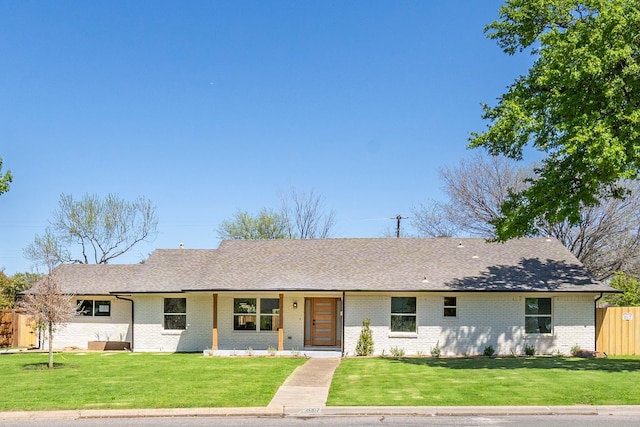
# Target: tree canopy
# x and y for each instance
(630, 287)
(267, 224)
(5, 179)
(579, 104)
(93, 230)
(302, 216)
(11, 287)
(605, 240)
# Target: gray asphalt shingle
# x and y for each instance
(442, 264)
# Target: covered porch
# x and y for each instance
(293, 323)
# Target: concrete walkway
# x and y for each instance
(307, 388)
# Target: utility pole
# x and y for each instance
(399, 218)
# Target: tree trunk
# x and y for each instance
(50, 345)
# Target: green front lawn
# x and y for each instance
(139, 380)
(486, 381)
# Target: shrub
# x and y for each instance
(435, 351)
(271, 350)
(488, 350)
(396, 351)
(575, 350)
(365, 341)
(529, 350)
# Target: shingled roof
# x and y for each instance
(387, 264)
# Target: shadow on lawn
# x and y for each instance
(45, 366)
(569, 364)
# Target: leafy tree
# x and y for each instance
(5, 179)
(102, 228)
(579, 104)
(606, 239)
(50, 308)
(302, 216)
(265, 225)
(306, 215)
(630, 287)
(11, 287)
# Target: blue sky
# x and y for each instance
(207, 107)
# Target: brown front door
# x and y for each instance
(323, 321)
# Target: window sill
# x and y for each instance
(172, 331)
(92, 317)
(403, 335)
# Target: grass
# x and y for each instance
(486, 381)
(139, 380)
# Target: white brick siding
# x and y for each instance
(150, 334)
(483, 319)
(82, 329)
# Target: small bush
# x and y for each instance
(396, 351)
(435, 351)
(365, 341)
(419, 353)
(249, 351)
(271, 350)
(575, 350)
(529, 350)
(488, 350)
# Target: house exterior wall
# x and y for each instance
(150, 334)
(228, 339)
(483, 319)
(82, 329)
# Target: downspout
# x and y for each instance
(343, 337)
(132, 318)
(595, 320)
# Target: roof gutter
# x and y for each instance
(132, 318)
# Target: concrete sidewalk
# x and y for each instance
(307, 386)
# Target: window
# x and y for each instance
(175, 313)
(403, 314)
(269, 314)
(450, 307)
(537, 315)
(246, 317)
(90, 307)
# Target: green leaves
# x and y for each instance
(266, 225)
(579, 104)
(630, 288)
(5, 179)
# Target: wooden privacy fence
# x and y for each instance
(618, 331)
(16, 330)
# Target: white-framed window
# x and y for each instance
(175, 313)
(538, 317)
(247, 316)
(403, 314)
(450, 307)
(94, 308)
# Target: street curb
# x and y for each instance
(325, 411)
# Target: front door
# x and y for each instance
(323, 321)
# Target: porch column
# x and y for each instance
(280, 324)
(214, 332)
